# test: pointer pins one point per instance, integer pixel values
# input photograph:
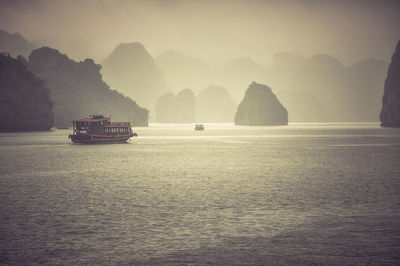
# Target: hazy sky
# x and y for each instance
(216, 31)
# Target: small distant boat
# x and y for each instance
(100, 129)
(199, 127)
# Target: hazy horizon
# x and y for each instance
(216, 32)
(269, 135)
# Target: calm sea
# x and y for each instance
(301, 194)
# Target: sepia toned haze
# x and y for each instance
(244, 132)
(319, 57)
(215, 31)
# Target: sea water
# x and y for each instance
(299, 194)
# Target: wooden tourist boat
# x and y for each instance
(100, 129)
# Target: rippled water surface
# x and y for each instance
(305, 193)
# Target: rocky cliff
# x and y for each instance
(260, 107)
(15, 44)
(131, 70)
(78, 90)
(390, 114)
(25, 103)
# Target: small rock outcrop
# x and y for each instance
(390, 114)
(260, 107)
(25, 101)
(15, 44)
(78, 90)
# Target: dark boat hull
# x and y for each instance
(97, 139)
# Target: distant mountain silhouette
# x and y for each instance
(165, 108)
(131, 70)
(260, 107)
(185, 106)
(78, 90)
(179, 109)
(15, 44)
(288, 60)
(390, 114)
(313, 89)
(325, 77)
(302, 106)
(366, 79)
(348, 94)
(182, 71)
(214, 104)
(237, 74)
(25, 101)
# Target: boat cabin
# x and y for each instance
(100, 125)
(100, 129)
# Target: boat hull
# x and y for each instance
(98, 139)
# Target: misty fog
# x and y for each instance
(325, 60)
(215, 31)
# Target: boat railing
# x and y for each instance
(125, 124)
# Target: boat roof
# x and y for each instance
(119, 124)
(91, 119)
